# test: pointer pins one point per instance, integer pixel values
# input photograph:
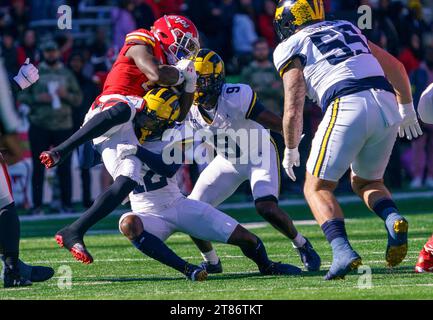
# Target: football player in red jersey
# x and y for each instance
(159, 57)
(425, 110)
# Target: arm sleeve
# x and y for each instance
(155, 162)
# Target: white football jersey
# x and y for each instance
(156, 193)
(332, 52)
(234, 108)
(425, 105)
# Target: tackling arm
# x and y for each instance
(157, 73)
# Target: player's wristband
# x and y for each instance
(407, 106)
(181, 78)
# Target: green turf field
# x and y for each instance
(121, 272)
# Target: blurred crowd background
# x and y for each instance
(74, 63)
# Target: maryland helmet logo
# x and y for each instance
(292, 14)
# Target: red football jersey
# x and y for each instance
(125, 78)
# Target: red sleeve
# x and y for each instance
(21, 55)
(140, 37)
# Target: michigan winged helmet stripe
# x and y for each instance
(292, 14)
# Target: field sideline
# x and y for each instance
(121, 272)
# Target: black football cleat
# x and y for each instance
(309, 257)
(13, 279)
(74, 244)
(212, 268)
(278, 268)
(35, 273)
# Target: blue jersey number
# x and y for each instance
(332, 41)
(150, 185)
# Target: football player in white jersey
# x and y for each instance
(15, 273)
(425, 110)
(159, 209)
(366, 99)
(221, 108)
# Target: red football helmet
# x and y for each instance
(178, 36)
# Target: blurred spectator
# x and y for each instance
(20, 17)
(244, 33)
(169, 6)
(90, 91)
(52, 101)
(65, 43)
(262, 76)
(410, 55)
(143, 14)
(99, 49)
(422, 148)
(123, 22)
(28, 49)
(9, 54)
(214, 19)
(266, 23)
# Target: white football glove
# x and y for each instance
(291, 158)
(410, 126)
(27, 75)
(125, 150)
(186, 67)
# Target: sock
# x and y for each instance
(95, 127)
(153, 247)
(335, 233)
(299, 241)
(104, 204)
(210, 257)
(386, 209)
(9, 236)
(257, 254)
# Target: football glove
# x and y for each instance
(126, 150)
(291, 159)
(186, 67)
(27, 75)
(410, 126)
